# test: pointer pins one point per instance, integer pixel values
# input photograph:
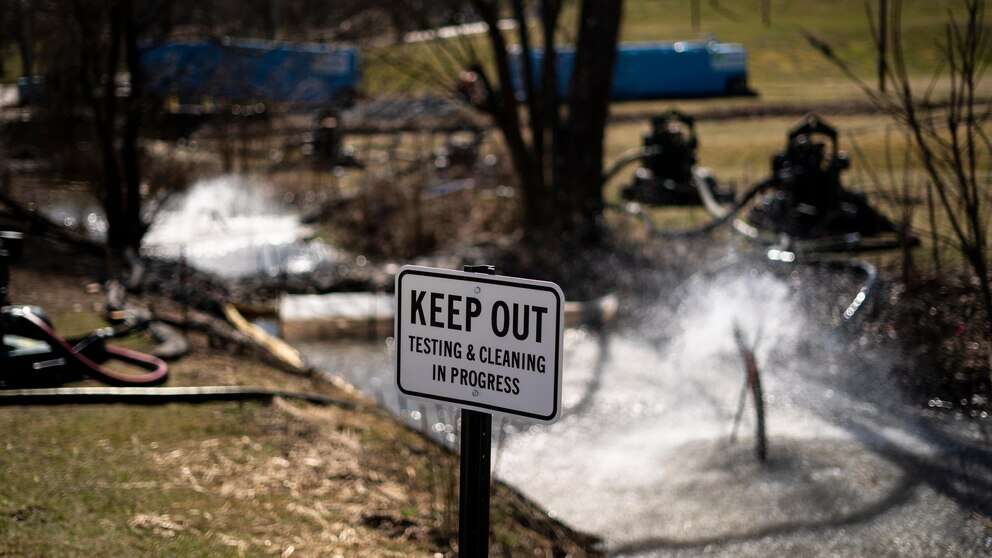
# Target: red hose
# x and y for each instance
(157, 373)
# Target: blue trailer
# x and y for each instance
(241, 71)
(658, 70)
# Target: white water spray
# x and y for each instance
(642, 455)
(232, 225)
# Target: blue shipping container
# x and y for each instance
(251, 70)
(658, 70)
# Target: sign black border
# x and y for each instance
(479, 278)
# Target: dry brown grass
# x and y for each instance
(287, 479)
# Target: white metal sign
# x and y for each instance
(485, 342)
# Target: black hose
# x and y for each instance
(156, 395)
(721, 215)
(866, 290)
(732, 210)
(626, 158)
(724, 214)
(88, 354)
(852, 242)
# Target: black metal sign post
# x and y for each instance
(474, 475)
(439, 356)
(473, 494)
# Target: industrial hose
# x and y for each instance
(774, 255)
(721, 214)
(728, 212)
(707, 197)
(852, 242)
(866, 290)
(626, 158)
(86, 360)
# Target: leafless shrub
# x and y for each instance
(949, 139)
(895, 185)
(403, 216)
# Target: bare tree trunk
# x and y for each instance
(527, 69)
(504, 108)
(106, 119)
(25, 36)
(130, 151)
(274, 19)
(551, 103)
(117, 141)
(559, 169)
(588, 110)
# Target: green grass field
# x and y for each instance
(782, 66)
(780, 62)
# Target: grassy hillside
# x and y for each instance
(232, 479)
(780, 62)
(782, 66)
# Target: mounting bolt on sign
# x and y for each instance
(487, 344)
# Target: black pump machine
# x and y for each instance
(805, 201)
(668, 174)
(802, 206)
(33, 354)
